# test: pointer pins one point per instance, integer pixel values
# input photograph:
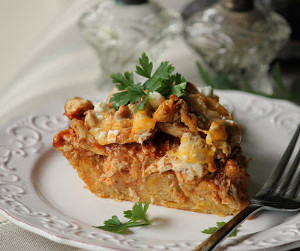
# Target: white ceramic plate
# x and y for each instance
(42, 193)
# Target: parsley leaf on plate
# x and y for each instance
(137, 217)
(114, 225)
(212, 230)
(138, 213)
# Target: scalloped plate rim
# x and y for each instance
(69, 241)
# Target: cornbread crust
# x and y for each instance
(153, 169)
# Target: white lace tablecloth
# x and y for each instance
(15, 238)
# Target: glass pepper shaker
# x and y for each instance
(120, 30)
(238, 39)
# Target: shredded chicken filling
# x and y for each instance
(203, 127)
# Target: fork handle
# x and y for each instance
(211, 242)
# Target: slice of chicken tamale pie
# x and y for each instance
(161, 141)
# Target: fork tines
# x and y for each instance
(284, 181)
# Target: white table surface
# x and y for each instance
(21, 26)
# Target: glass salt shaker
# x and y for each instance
(120, 30)
(238, 39)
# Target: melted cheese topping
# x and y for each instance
(217, 132)
(142, 122)
(193, 150)
(217, 135)
(107, 129)
(101, 107)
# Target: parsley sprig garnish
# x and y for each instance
(137, 217)
(212, 230)
(161, 80)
